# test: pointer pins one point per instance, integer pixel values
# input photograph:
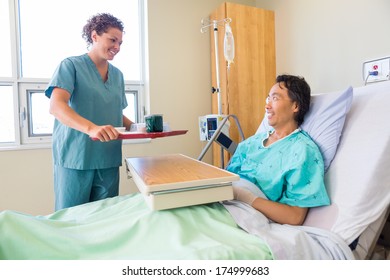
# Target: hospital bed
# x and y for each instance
(124, 227)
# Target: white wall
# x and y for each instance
(180, 88)
(328, 41)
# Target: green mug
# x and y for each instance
(154, 123)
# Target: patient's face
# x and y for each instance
(280, 108)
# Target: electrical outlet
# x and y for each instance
(376, 70)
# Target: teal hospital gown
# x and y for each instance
(98, 101)
(289, 171)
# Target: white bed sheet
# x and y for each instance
(287, 242)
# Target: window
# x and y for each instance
(39, 123)
(5, 46)
(7, 132)
(39, 38)
(132, 104)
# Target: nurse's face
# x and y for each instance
(108, 44)
(280, 108)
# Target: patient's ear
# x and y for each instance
(295, 107)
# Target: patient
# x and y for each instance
(284, 162)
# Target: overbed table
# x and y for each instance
(176, 180)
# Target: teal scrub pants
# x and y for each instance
(74, 187)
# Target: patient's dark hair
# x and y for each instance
(299, 92)
(100, 23)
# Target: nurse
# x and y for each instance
(284, 163)
(87, 98)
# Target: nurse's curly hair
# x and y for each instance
(100, 23)
(299, 92)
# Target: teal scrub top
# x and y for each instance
(289, 171)
(92, 98)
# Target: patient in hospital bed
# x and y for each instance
(124, 227)
(284, 162)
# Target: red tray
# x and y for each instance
(152, 135)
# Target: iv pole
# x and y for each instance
(203, 29)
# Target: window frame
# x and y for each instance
(21, 86)
(25, 115)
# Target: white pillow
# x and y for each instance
(358, 181)
(325, 121)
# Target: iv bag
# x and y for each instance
(228, 46)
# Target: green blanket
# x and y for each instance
(125, 228)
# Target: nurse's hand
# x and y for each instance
(104, 133)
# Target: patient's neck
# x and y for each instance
(280, 133)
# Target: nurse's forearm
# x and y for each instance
(61, 110)
(67, 116)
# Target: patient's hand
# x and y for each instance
(243, 195)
